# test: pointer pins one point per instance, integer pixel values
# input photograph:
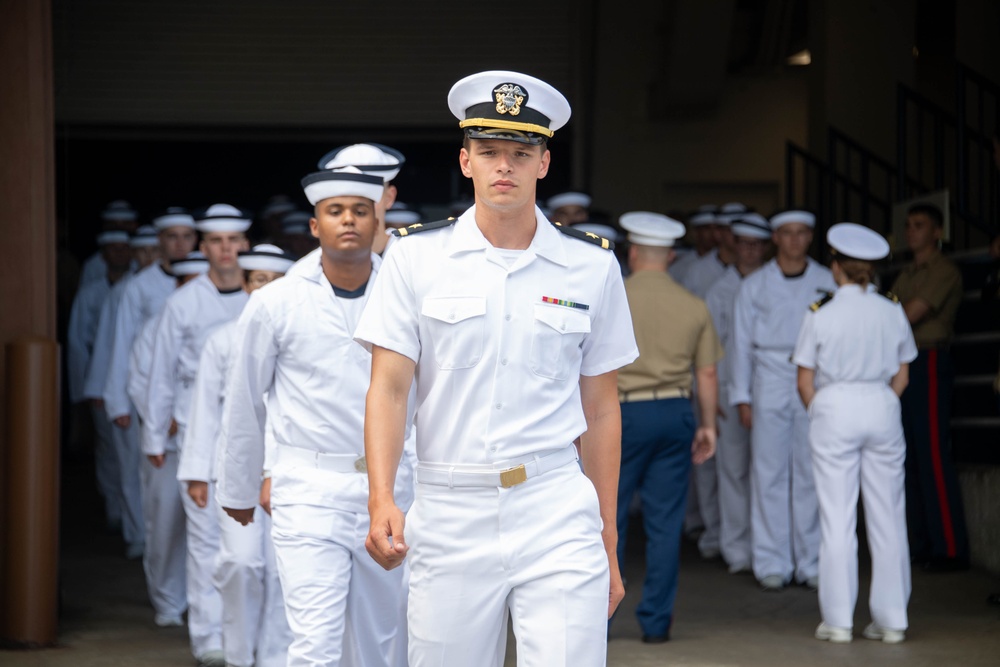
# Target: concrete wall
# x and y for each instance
(981, 494)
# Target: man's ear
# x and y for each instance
(463, 162)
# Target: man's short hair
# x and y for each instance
(930, 210)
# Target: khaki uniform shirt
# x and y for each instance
(937, 282)
(673, 330)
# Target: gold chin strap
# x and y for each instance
(506, 125)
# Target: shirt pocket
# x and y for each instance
(457, 328)
(556, 341)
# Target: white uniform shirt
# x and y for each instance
(294, 351)
(190, 314)
(720, 300)
(766, 320)
(95, 268)
(680, 266)
(858, 336)
(140, 358)
(81, 333)
(104, 341)
(701, 274)
(143, 297)
(498, 370)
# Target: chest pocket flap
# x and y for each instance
(457, 328)
(453, 308)
(563, 319)
(556, 341)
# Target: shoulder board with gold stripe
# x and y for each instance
(889, 295)
(589, 237)
(418, 227)
(822, 302)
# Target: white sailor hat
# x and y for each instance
(508, 105)
(107, 238)
(222, 218)
(857, 242)
(175, 216)
(345, 182)
(145, 237)
(373, 159)
(296, 222)
(652, 229)
(786, 217)
(265, 257)
(400, 216)
(751, 225)
(192, 264)
(118, 211)
(277, 205)
(705, 215)
(729, 212)
(604, 231)
(568, 199)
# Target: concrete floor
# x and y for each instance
(721, 620)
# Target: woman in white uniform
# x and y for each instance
(853, 356)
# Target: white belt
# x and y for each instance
(332, 462)
(505, 474)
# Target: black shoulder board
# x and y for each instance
(822, 302)
(889, 295)
(418, 227)
(589, 237)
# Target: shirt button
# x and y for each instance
(451, 316)
(493, 448)
(508, 317)
(503, 361)
(499, 405)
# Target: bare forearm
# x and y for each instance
(708, 395)
(806, 385)
(901, 379)
(600, 450)
(385, 425)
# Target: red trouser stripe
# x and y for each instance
(942, 490)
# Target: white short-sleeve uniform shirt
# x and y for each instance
(500, 339)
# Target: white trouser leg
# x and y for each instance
(770, 480)
(164, 559)
(204, 601)
(732, 457)
(126, 445)
(805, 507)
(708, 505)
(239, 578)
(274, 636)
(534, 549)
(106, 467)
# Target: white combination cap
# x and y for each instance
(568, 199)
(373, 159)
(193, 264)
(786, 217)
(652, 229)
(277, 205)
(751, 225)
(604, 231)
(508, 105)
(118, 211)
(175, 216)
(857, 242)
(345, 182)
(265, 257)
(222, 218)
(107, 238)
(145, 237)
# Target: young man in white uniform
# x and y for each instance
(294, 345)
(254, 628)
(514, 330)
(189, 315)
(118, 216)
(752, 236)
(853, 357)
(766, 318)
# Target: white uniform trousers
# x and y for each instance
(254, 628)
(106, 467)
(732, 464)
(534, 550)
(342, 607)
(705, 484)
(204, 601)
(857, 436)
(164, 559)
(784, 512)
(126, 445)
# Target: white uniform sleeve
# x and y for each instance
(741, 363)
(907, 346)
(100, 357)
(391, 318)
(807, 345)
(127, 323)
(77, 347)
(611, 341)
(255, 353)
(198, 454)
(162, 379)
(138, 367)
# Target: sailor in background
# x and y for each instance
(569, 208)
(296, 237)
(119, 216)
(700, 227)
(853, 356)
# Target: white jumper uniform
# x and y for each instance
(498, 384)
(295, 345)
(254, 628)
(856, 343)
(164, 560)
(784, 516)
(732, 451)
(189, 315)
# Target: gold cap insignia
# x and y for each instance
(510, 97)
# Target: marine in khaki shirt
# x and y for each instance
(933, 285)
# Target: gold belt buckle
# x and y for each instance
(513, 476)
(361, 465)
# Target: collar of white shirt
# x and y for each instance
(314, 272)
(547, 242)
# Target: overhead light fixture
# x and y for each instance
(799, 59)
